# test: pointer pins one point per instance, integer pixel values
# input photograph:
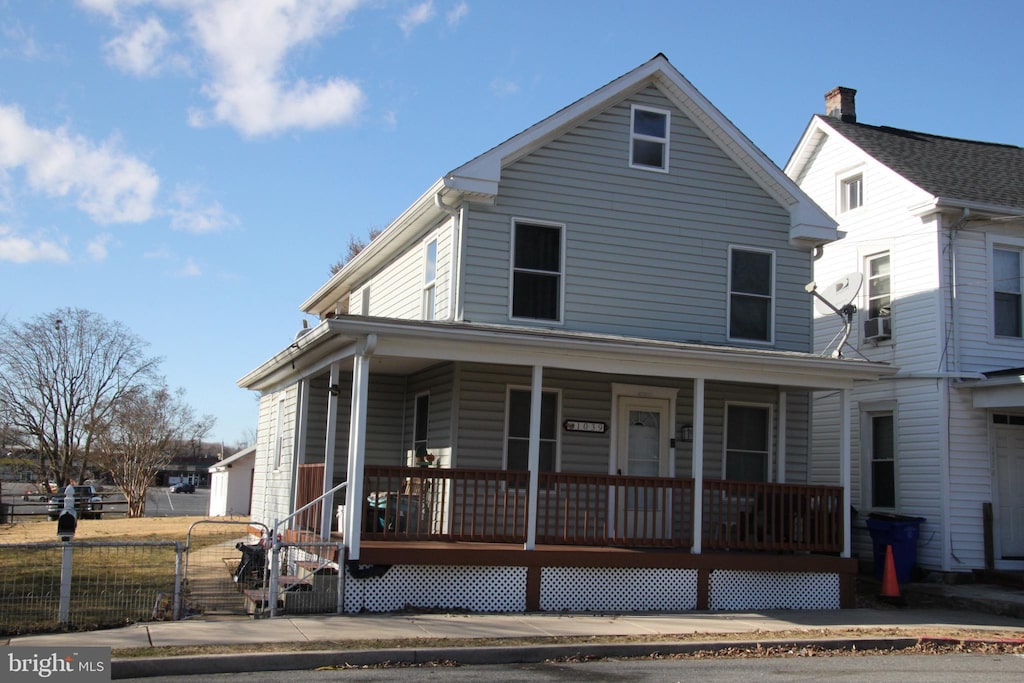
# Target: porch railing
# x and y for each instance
(483, 505)
(773, 517)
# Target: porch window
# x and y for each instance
(883, 461)
(748, 442)
(751, 301)
(421, 423)
(1006, 286)
(648, 140)
(429, 278)
(518, 430)
(537, 271)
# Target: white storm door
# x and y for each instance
(643, 451)
(1010, 478)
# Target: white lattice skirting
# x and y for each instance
(614, 589)
(587, 589)
(731, 590)
(476, 589)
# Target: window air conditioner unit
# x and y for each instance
(876, 329)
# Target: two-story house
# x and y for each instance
(935, 227)
(575, 374)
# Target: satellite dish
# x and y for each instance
(840, 293)
(838, 298)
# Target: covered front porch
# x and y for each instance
(620, 488)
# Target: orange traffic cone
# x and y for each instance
(890, 586)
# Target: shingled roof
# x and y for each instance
(965, 170)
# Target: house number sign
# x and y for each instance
(580, 426)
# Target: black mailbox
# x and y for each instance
(66, 524)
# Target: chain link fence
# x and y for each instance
(86, 585)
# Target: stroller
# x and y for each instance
(251, 568)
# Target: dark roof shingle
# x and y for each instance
(967, 170)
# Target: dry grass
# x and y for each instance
(116, 528)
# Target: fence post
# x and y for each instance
(340, 606)
(272, 580)
(64, 611)
(178, 549)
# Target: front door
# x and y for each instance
(643, 451)
(1010, 477)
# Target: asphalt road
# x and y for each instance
(961, 668)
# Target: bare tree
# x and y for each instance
(61, 375)
(144, 433)
(355, 245)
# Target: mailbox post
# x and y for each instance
(66, 523)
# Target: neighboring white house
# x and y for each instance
(596, 336)
(935, 225)
(231, 484)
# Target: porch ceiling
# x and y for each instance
(401, 346)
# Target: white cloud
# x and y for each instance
(190, 269)
(416, 16)
(20, 249)
(140, 49)
(457, 14)
(18, 42)
(245, 46)
(99, 247)
(503, 88)
(107, 184)
(192, 216)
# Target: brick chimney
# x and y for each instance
(840, 103)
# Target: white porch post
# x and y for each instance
(844, 465)
(780, 475)
(534, 456)
(698, 464)
(299, 449)
(329, 442)
(356, 453)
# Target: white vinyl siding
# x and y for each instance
(398, 289)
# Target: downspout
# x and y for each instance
(454, 280)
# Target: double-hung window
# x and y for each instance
(883, 460)
(1006, 294)
(518, 430)
(537, 270)
(851, 191)
(751, 300)
(648, 140)
(421, 424)
(429, 279)
(747, 442)
(879, 286)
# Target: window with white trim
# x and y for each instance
(648, 139)
(747, 442)
(517, 430)
(537, 270)
(882, 460)
(879, 289)
(429, 279)
(1006, 292)
(751, 299)
(851, 192)
(279, 435)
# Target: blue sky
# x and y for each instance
(192, 168)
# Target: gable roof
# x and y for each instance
(959, 172)
(479, 179)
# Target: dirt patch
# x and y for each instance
(118, 528)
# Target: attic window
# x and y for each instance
(648, 140)
(852, 192)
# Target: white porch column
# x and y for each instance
(780, 475)
(299, 449)
(329, 442)
(536, 398)
(356, 453)
(844, 465)
(698, 464)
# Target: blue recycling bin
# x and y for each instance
(901, 532)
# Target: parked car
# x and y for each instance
(183, 487)
(88, 503)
